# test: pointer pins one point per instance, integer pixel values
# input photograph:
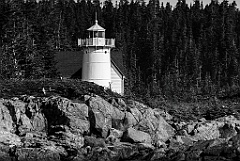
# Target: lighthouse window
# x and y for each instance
(99, 34)
(105, 52)
(95, 34)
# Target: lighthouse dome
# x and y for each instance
(96, 27)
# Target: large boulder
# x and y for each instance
(119, 103)
(154, 124)
(7, 116)
(34, 113)
(24, 124)
(135, 112)
(206, 131)
(62, 111)
(220, 128)
(8, 123)
(129, 120)
(67, 121)
(9, 138)
(163, 130)
(104, 116)
(135, 136)
(26, 115)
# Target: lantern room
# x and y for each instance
(96, 37)
(96, 31)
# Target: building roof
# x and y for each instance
(96, 27)
(69, 63)
(117, 60)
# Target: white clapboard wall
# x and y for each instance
(117, 82)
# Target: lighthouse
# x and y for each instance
(96, 65)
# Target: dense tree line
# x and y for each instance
(166, 50)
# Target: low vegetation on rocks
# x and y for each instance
(69, 88)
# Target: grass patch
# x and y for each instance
(69, 88)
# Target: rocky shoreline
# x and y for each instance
(92, 128)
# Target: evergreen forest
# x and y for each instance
(168, 49)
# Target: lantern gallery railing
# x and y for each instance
(96, 42)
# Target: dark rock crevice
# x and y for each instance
(54, 117)
(12, 113)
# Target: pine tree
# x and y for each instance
(109, 18)
(14, 40)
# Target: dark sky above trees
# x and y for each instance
(205, 2)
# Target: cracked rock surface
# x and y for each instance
(59, 129)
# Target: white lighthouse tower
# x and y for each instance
(96, 65)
